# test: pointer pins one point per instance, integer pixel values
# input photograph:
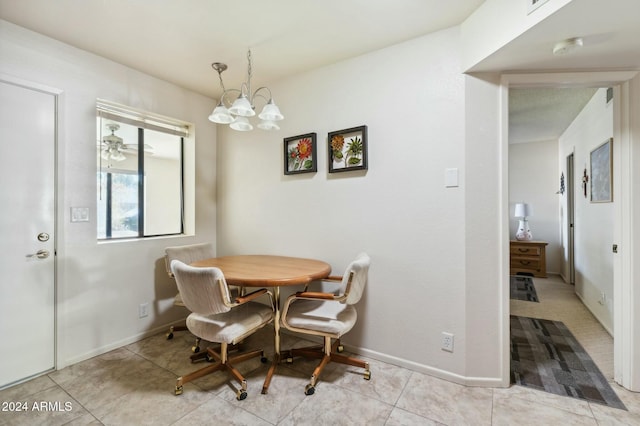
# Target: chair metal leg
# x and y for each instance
(327, 353)
(196, 348)
(175, 328)
(222, 362)
(196, 375)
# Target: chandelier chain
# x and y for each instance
(221, 82)
(249, 95)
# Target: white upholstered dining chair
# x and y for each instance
(218, 317)
(186, 254)
(330, 315)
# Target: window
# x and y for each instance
(118, 212)
(140, 174)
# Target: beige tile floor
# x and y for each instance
(133, 385)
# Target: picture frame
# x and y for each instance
(300, 154)
(601, 162)
(347, 149)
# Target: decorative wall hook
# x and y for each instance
(561, 191)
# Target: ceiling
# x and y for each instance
(610, 31)
(178, 40)
(543, 114)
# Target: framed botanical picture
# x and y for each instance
(601, 167)
(348, 149)
(300, 154)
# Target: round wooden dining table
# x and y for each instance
(268, 271)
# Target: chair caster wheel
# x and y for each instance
(289, 360)
(240, 395)
(169, 336)
(309, 390)
(264, 360)
(208, 358)
(178, 390)
(367, 375)
(195, 349)
(340, 349)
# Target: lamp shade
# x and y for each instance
(118, 156)
(268, 125)
(242, 107)
(523, 210)
(241, 124)
(221, 115)
(271, 112)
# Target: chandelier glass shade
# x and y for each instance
(236, 114)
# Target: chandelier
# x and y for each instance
(237, 115)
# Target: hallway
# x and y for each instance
(559, 302)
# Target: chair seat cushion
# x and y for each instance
(230, 327)
(330, 318)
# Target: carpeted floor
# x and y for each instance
(546, 356)
(522, 288)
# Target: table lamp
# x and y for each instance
(523, 210)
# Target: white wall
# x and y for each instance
(593, 221)
(534, 177)
(399, 211)
(99, 286)
(487, 235)
(631, 243)
(480, 38)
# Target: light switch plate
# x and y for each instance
(79, 214)
(451, 178)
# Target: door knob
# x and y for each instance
(40, 254)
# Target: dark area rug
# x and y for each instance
(522, 288)
(546, 356)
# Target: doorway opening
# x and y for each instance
(624, 363)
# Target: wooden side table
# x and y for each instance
(528, 258)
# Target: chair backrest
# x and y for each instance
(203, 290)
(188, 254)
(358, 273)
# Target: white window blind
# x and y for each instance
(112, 111)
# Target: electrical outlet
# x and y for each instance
(603, 298)
(143, 310)
(447, 342)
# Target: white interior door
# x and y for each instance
(27, 227)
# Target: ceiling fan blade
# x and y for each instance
(134, 147)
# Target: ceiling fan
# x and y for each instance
(114, 148)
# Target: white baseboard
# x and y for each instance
(115, 345)
(492, 382)
(608, 330)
